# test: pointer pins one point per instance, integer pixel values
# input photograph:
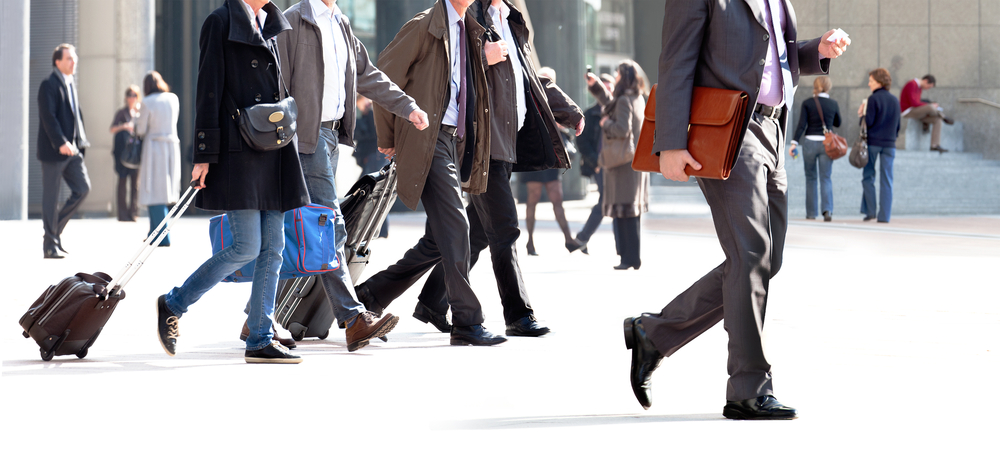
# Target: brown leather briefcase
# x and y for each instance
(717, 117)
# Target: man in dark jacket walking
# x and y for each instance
(61, 145)
(493, 214)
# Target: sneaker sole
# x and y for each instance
(382, 331)
(272, 360)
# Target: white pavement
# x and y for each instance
(883, 336)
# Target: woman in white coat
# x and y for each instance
(160, 170)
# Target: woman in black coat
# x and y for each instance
(238, 69)
(813, 152)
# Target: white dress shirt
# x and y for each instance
(334, 60)
(501, 17)
(451, 114)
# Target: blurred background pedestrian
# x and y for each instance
(160, 170)
(626, 191)
(589, 144)
(813, 152)
(882, 115)
(551, 180)
(123, 126)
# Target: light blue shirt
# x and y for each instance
(451, 114)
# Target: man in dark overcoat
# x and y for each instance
(523, 137)
(750, 46)
(62, 142)
(238, 68)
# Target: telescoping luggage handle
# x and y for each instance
(153, 240)
(382, 205)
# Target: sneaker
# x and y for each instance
(367, 327)
(167, 326)
(274, 353)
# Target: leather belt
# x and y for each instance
(773, 112)
(332, 125)
(450, 130)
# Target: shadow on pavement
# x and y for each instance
(572, 421)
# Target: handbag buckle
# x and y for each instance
(281, 133)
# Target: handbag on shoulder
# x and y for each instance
(132, 153)
(859, 152)
(835, 145)
(267, 126)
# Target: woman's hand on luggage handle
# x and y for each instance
(673, 163)
(198, 173)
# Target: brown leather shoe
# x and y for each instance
(287, 342)
(366, 327)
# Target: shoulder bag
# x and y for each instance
(132, 153)
(859, 152)
(267, 126)
(835, 145)
(618, 152)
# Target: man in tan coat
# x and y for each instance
(438, 59)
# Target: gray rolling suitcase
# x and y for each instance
(302, 306)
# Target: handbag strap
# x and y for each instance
(234, 110)
(819, 109)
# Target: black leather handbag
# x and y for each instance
(132, 153)
(267, 126)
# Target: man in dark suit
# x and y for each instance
(747, 45)
(61, 144)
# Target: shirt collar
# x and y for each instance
(504, 10)
(823, 94)
(453, 16)
(320, 9)
(67, 78)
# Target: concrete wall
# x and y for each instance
(14, 40)
(116, 50)
(958, 41)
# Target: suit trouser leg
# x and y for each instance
(596, 213)
(51, 190)
(445, 240)
(434, 294)
(75, 175)
(750, 215)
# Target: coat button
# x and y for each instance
(256, 98)
(201, 146)
(761, 63)
(201, 136)
(253, 64)
(276, 96)
(766, 36)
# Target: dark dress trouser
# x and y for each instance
(492, 222)
(74, 172)
(750, 214)
(446, 240)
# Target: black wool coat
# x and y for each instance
(237, 64)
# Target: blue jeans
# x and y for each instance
(887, 154)
(256, 235)
(319, 169)
(813, 151)
(156, 215)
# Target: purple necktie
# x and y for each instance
(461, 86)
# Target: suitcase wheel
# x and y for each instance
(47, 355)
(25, 334)
(325, 334)
(298, 336)
(82, 354)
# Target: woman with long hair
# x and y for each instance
(160, 170)
(815, 111)
(626, 191)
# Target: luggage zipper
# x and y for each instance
(59, 302)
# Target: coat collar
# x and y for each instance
(438, 24)
(240, 29)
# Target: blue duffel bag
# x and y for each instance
(310, 245)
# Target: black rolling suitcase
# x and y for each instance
(303, 307)
(69, 315)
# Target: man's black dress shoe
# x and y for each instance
(623, 266)
(760, 408)
(526, 326)
(645, 360)
(425, 314)
(366, 298)
(52, 253)
(475, 335)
